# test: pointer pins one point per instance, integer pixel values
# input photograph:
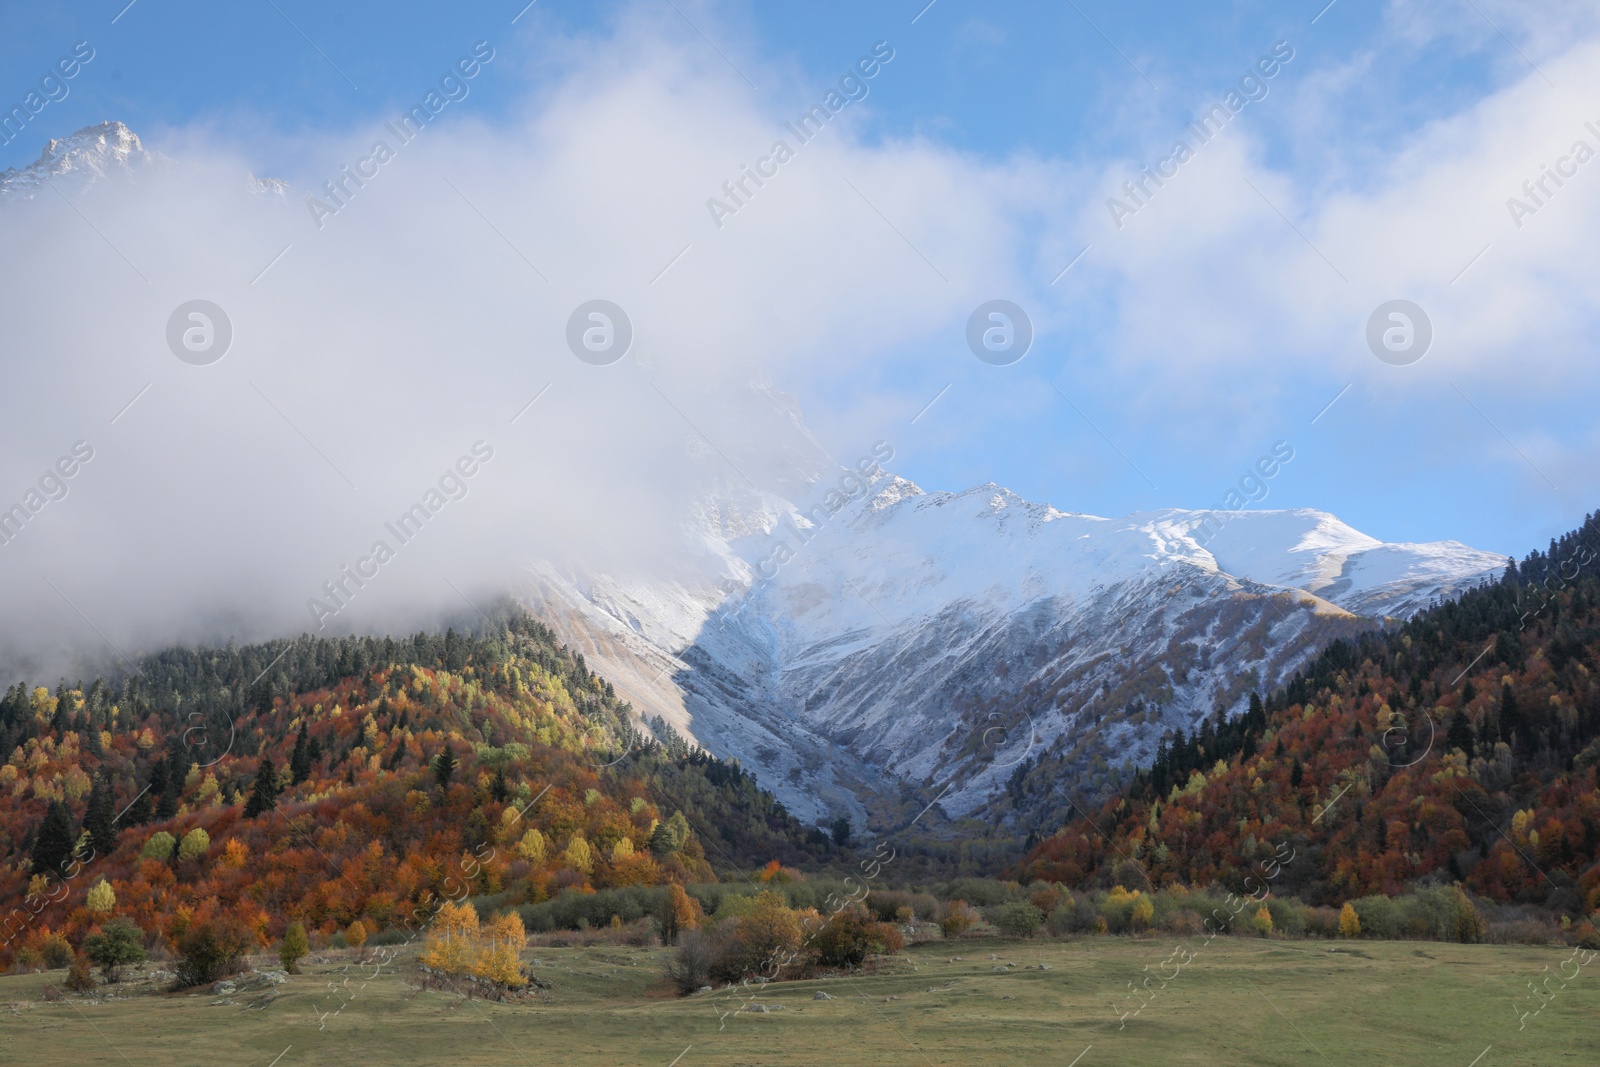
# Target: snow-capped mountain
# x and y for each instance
(84, 157)
(867, 648)
(866, 657)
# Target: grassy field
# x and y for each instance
(969, 1002)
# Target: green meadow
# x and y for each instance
(978, 1001)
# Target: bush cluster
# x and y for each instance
(762, 938)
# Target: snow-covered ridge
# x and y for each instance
(848, 654)
(86, 156)
(96, 153)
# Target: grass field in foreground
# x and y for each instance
(1238, 1002)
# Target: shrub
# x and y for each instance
(1288, 916)
(958, 919)
(983, 892)
(1062, 920)
(293, 948)
(1445, 913)
(1075, 915)
(890, 905)
(1047, 899)
(209, 950)
(1117, 909)
(848, 936)
(570, 908)
(768, 939)
(79, 978)
(1021, 919)
(55, 952)
(699, 953)
(1186, 923)
(1380, 917)
(1322, 922)
(118, 944)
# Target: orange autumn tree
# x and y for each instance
(679, 913)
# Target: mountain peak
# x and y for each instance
(87, 155)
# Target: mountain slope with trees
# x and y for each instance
(326, 781)
(1461, 747)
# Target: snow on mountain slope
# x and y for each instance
(1314, 551)
(953, 641)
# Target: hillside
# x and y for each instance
(301, 780)
(1460, 747)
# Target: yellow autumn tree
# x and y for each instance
(102, 898)
(531, 847)
(579, 856)
(1142, 912)
(1262, 921)
(452, 941)
(622, 850)
(234, 853)
(499, 951)
(1349, 921)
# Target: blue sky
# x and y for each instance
(1226, 316)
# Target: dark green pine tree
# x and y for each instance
(300, 761)
(171, 771)
(264, 794)
(1510, 717)
(100, 818)
(498, 788)
(1461, 735)
(140, 811)
(61, 721)
(1297, 773)
(91, 734)
(444, 767)
(52, 846)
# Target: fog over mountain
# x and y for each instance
(398, 428)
